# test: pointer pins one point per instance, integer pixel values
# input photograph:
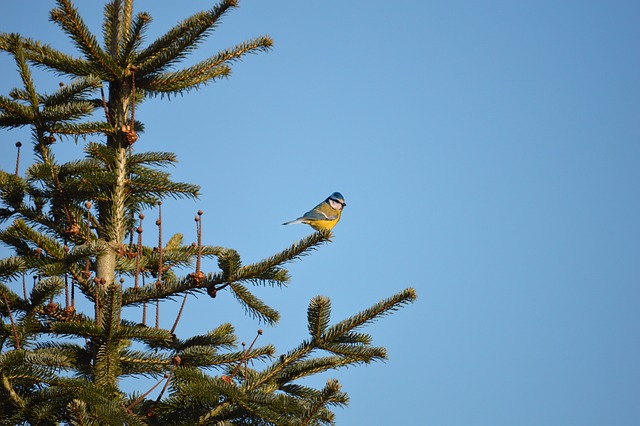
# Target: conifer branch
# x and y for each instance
(180, 40)
(173, 84)
(299, 249)
(318, 315)
(330, 395)
(25, 73)
(356, 353)
(168, 290)
(45, 289)
(206, 356)
(148, 364)
(112, 309)
(78, 89)
(14, 114)
(81, 129)
(13, 395)
(70, 21)
(220, 338)
(301, 367)
(378, 310)
(349, 347)
(134, 37)
(79, 415)
(80, 328)
(45, 56)
(111, 26)
(203, 72)
(11, 267)
(14, 300)
(36, 365)
(125, 22)
(155, 337)
(254, 306)
(56, 113)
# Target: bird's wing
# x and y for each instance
(316, 214)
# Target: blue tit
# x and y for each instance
(325, 215)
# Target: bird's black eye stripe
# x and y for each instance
(338, 201)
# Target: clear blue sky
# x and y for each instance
(489, 153)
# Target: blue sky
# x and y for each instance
(489, 156)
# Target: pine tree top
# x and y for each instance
(78, 229)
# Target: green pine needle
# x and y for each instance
(254, 306)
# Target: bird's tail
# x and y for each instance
(298, 220)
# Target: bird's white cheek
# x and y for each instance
(335, 205)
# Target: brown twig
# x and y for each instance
(160, 268)
(96, 282)
(197, 276)
(133, 95)
(18, 145)
(67, 301)
(144, 306)
(13, 323)
(66, 281)
(159, 223)
(24, 286)
(184, 301)
(176, 362)
(87, 265)
(73, 293)
(157, 313)
(144, 395)
(139, 251)
(104, 105)
(199, 233)
(243, 361)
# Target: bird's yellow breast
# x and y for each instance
(319, 225)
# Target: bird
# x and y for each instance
(325, 215)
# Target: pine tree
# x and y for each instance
(76, 230)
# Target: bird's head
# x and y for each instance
(336, 201)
